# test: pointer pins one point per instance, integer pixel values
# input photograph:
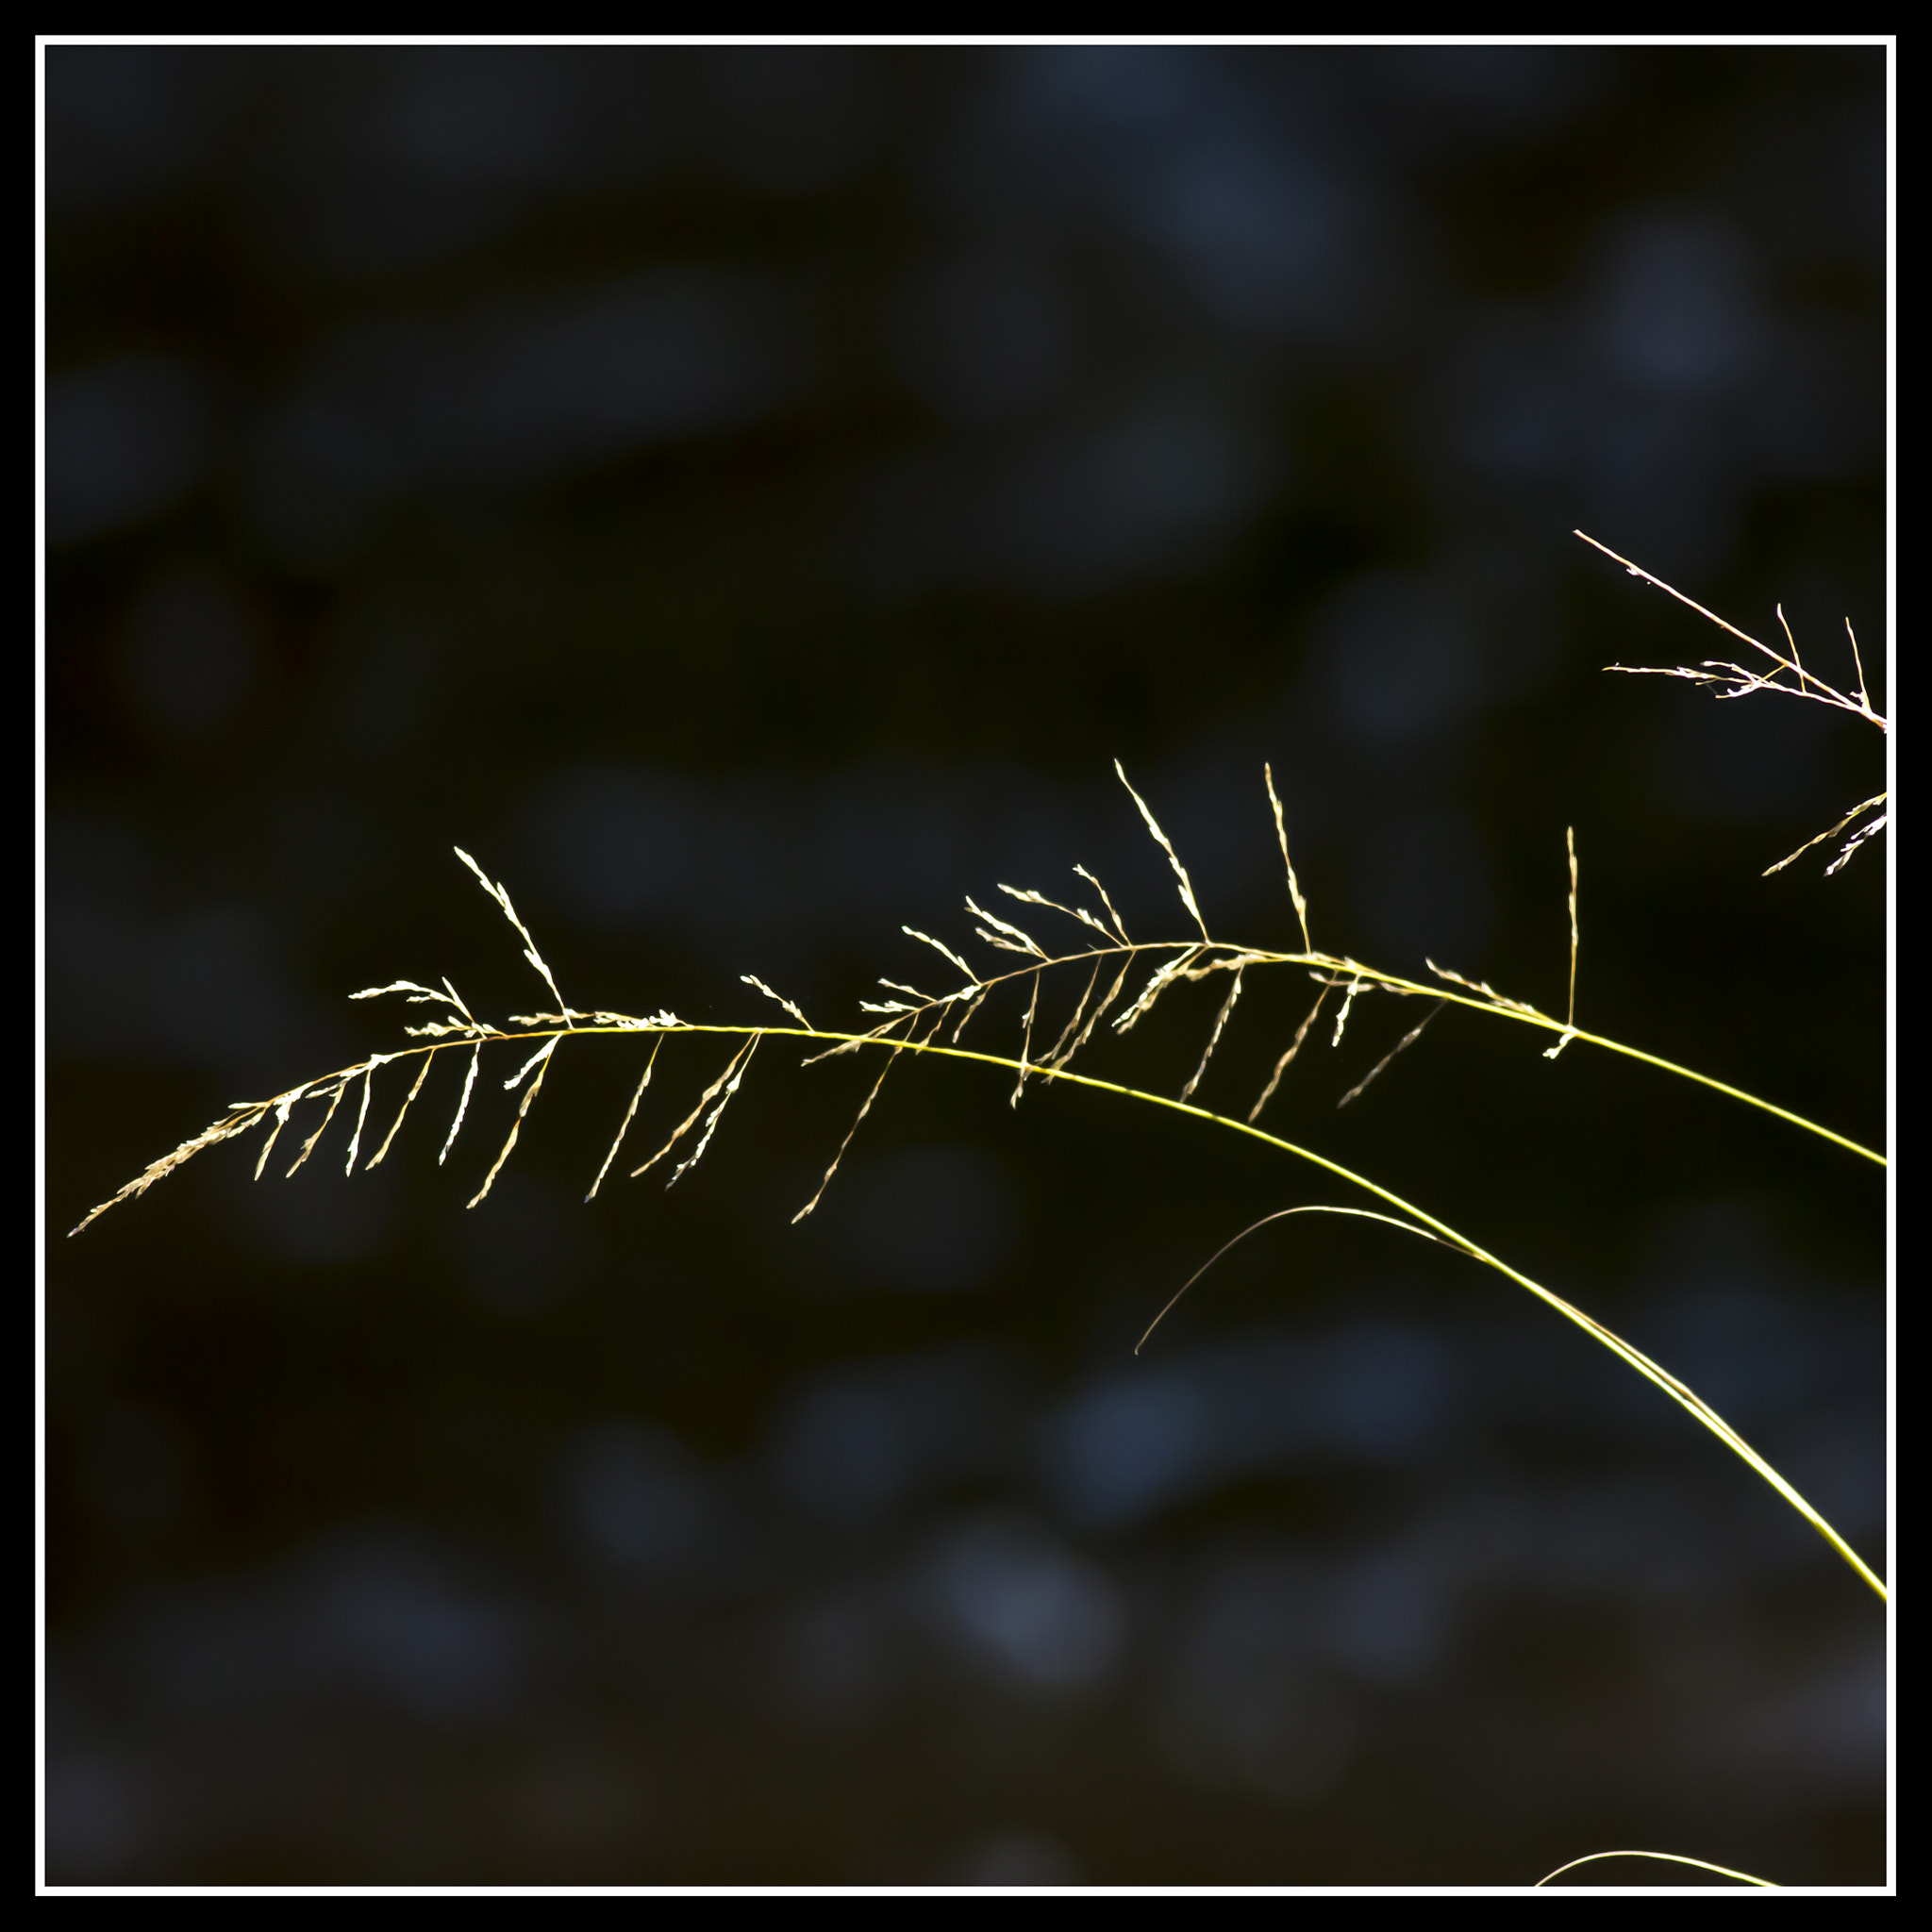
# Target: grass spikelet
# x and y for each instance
(469, 1026)
(418, 995)
(945, 951)
(362, 1113)
(851, 1042)
(1294, 890)
(1858, 665)
(308, 1146)
(1550, 1053)
(268, 1146)
(1052, 1055)
(421, 1075)
(865, 1108)
(1230, 961)
(736, 1072)
(463, 1103)
(752, 979)
(1287, 1060)
(1111, 914)
(732, 1067)
(634, 1023)
(1174, 858)
(540, 1060)
(248, 1115)
(1016, 941)
(1858, 837)
(1234, 992)
(1162, 977)
(1094, 1018)
(1348, 1001)
(1026, 1042)
(629, 1114)
(1793, 642)
(1030, 898)
(509, 913)
(1500, 1002)
(536, 1059)
(973, 1007)
(1851, 843)
(1408, 1040)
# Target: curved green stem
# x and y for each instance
(1418, 1222)
(1669, 1859)
(474, 1036)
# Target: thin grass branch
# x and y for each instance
(1733, 680)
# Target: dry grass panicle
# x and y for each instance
(913, 1021)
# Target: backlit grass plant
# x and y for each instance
(1121, 981)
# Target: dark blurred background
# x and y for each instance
(748, 498)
